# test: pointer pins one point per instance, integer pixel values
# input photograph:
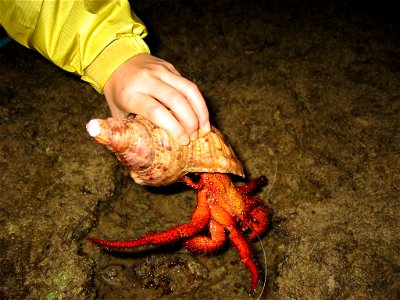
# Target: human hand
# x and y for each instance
(153, 88)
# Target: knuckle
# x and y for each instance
(191, 125)
(169, 66)
(192, 87)
(126, 93)
(174, 97)
(160, 67)
(154, 112)
(144, 73)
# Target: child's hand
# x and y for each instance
(151, 87)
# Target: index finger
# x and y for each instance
(193, 96)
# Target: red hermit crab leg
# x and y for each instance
(245, 256)
(238, 240)
(200, 219)
(253, 185)
(204, 244)
(259, 222)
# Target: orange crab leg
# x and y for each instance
(238, 240)
(260, 221)
(189, 182)
(204, 244)
(200, 219)
(253, 185)
(245, 255)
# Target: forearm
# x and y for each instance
(77, 35)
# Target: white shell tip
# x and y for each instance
(93, 127)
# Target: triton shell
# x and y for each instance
(155, 158)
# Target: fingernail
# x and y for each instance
(184, 140)
(205, 129)
(194, 136)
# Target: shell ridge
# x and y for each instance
(155, 158)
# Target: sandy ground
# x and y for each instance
(307, 94)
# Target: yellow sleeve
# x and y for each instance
(90, 38)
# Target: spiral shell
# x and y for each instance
(155, 158)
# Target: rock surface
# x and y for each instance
(308, 94)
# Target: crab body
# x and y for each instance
(225, 210)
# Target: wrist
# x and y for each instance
(111, 58)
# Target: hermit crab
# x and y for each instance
(226, 211)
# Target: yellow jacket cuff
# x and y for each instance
(111, 58)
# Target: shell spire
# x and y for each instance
(155, 158)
